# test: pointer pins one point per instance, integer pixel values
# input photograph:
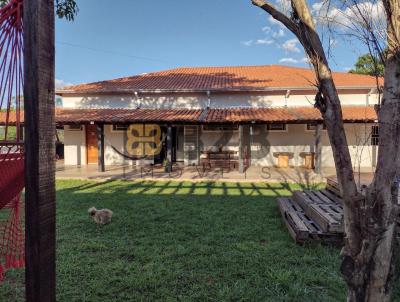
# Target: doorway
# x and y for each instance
(177, 145)
(91, 144)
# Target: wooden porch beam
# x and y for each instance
(318, 148)
(100, 147)
(169, 148)
(241, 162)
(40, 197)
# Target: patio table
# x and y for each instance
(219, 159)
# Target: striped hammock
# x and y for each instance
(11, 144)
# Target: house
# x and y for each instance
(259, 115)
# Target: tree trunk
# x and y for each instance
(370, 219)
(39, 150)
(371, 272)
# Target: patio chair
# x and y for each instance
(176, 171)
(145, 166)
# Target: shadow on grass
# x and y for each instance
(182, 188)
(191, 241)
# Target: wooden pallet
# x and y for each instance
(301, 228)
(332, 196)
(324, 211)
(332, 185)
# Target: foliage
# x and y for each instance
(367, 64)
(11, 135)
(64, 8)
(182, 241)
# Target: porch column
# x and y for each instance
(100, 147)
(241, 163)
(40, 193)
(318, 148)
(169, 148)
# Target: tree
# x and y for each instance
(370, 251)
(64, 8)
(367, 64)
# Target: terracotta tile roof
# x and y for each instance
(286, 114)
(223, 115)
(12, 119)
(245, 78)
(127, 115)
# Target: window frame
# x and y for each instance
(73, 129)
(313, 130)
(285, 127)
(374, 135)
(114, 130)
(235, 128)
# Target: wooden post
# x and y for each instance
(169, 148)
(100, 147)
(241, 163)
(40, 206)
(318, 148)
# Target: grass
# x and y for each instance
(178, 241)
(11, 135)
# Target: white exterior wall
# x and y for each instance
(131, 102)
(115, 139)
(263, 146)
(74, 146)
(193, 101)
(295, 140)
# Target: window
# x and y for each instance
(213, 128)
(375, 135)
(312, 127)
(276, 127)
(119, 127)
(75, 127)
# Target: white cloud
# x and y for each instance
(247, 43)
(278, 34)
(333, 42)
(284, 5)
(372, 10)
(289, 60)
(291, 45)
(316, 7)
(264, 42)
(305, 60)
(266, 29)
(293, 60)
(59, 84)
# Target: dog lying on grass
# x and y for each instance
(102, 216)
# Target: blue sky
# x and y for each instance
(118, 38)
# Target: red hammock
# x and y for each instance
(11, 145)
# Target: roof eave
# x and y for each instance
(161, 91)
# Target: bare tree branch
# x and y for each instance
(276, 14)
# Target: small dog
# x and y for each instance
(102, 216)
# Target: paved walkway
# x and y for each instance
(253, 174)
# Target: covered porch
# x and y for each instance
(228, 140)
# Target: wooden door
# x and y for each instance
(91, 144)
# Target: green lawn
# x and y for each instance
(173, 241)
